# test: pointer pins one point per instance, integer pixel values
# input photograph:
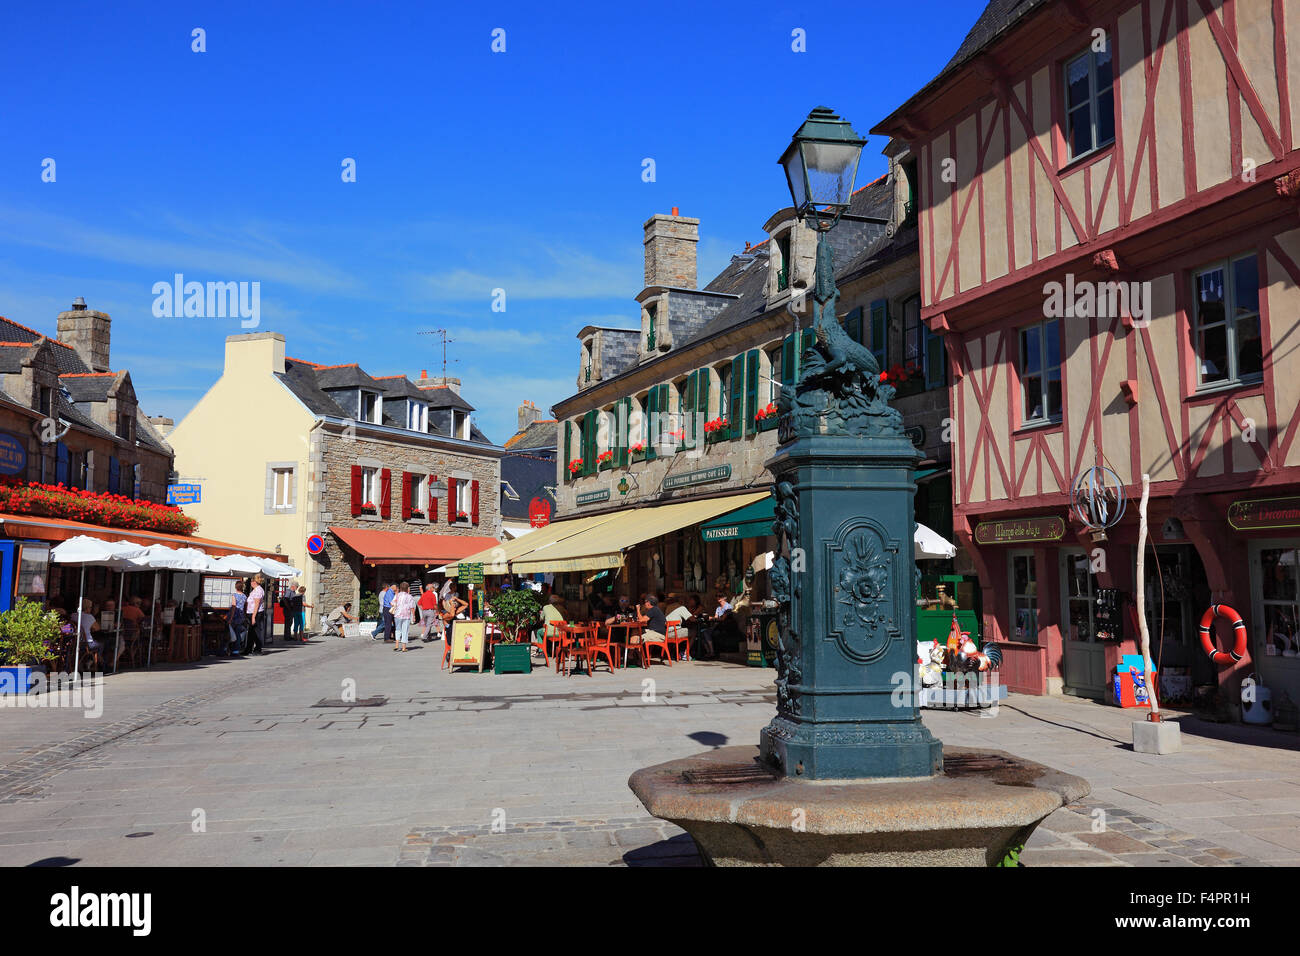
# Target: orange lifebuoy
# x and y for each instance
(1207, 640)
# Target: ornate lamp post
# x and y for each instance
(844, 573)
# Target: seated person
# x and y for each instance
(621, 613)
(550, 612)
(656, 626)
(338, 617)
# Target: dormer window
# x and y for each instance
(652, 315)
(124, 418)
(45, 400)
(459, 424)
(369, 408)
(417, 416)
(783, 274)
(587, 352)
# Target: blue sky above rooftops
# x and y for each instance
(475, 170)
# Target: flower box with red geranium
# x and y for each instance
(114, 511)
(766, 417)
(368, 508)
(638, 451)
(575, 468)
(461, 516)
(605, 460)
(717, 430)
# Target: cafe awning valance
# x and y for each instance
(602, 545)
(751, 521)
(398, 547)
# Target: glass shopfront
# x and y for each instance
(1275, 592)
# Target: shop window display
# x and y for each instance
(1281, 568)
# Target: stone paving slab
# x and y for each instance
(282, 780)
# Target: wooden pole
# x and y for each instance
(1141, 599)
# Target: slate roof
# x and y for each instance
(530, 477)
(746, 274)
(538, 434)
(82, 386)
(310, 382)
(441, 396)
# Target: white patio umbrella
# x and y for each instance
(233, 564)
(929, 545)
(159, 558)
(85, 550)
(277, 570)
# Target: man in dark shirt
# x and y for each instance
(652, 616)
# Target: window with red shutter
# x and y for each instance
(385, 494)
(356, 490)
(433, 497)
(451, 501)
(473, 502)
(406, 495)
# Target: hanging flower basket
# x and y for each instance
(114, 511)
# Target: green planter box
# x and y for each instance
(512, 659)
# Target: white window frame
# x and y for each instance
(1093, 96)
(361, 407)
(463, 501)
(1043, 373)
(1229, 322)
(282, 489)
(417, 416)
(370, 485)
(421, 488)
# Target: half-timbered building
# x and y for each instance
(1110, 243)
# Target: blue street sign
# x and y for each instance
(13, 456)
(184, 494)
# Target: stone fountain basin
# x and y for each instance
(984, 804)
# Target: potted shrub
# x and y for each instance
(28, 635)
(515, 612)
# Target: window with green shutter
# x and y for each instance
(789, 361)
(736, 403)
(751, 390)
(589, 441)
(853, 324)
(624, 410)
(702, 398)
(650, 421)
(568, 449)
(686, 407)
(879, 343)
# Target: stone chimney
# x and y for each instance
(528, 413)
(439, 382)
(87, 332)
(162, 423)
(670, 250)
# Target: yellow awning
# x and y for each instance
(494, 560)
(601, 545)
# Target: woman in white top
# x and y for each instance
(87, 624)
(403, 609)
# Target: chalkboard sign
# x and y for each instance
(470, 574)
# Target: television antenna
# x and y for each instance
(441, 333)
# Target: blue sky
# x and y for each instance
(475, 170)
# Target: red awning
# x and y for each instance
(404, 547)
(61, 529)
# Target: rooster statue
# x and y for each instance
(963, 655)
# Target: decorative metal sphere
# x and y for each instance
(1098, 500)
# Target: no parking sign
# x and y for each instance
(315, 544)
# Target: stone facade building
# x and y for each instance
(389, 472)
(681, 408)
(96, 439)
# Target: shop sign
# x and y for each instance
(1020, 530)
(470, 574)
(539, 513)
(722, 534)
(184, 494)
(1264, 513)
(592, 497)
(701, 477)
(13, 455)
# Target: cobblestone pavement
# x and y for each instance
(264, 762)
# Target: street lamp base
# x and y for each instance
(979, 812)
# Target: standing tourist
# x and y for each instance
(453, 609)
(236, 622)
(286, 611)
(385, 622)
(300, 613)
(429, 619)
(255, 609)
(403, 611)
